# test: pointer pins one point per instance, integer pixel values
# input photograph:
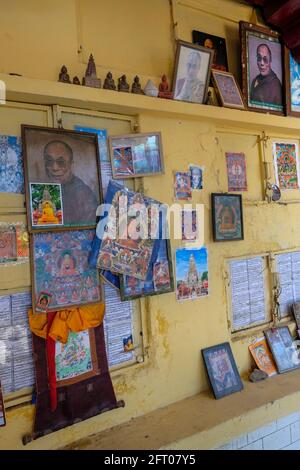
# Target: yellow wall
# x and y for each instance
(136, 37)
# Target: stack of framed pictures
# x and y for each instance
(63, 191)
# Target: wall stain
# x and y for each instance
(163, 328)
(123, 387)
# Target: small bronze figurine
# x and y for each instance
(109, 83)
(163, 88)
(90, 79)
(136, 86)
(76, 81)
(122, 84)
(64, 77)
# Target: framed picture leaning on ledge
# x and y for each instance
(222, 370)
(192, 72)
(262, 69)
(227, 90)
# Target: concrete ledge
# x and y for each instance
(201, 422)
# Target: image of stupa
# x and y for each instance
(90, 79)
(192, 279)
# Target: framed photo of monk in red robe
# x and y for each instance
(68, 160)
(262, 69)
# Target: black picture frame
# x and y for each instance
(217, 358)
(283, 349)
(216, 43)
(223, 229)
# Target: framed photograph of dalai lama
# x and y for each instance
(227, 217)
(192, 72)
(262, 69)
(62, 184)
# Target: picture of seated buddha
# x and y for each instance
(48, 216)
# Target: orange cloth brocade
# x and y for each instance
(74, 319)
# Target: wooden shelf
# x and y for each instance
(50, 93)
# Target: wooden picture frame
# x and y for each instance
(136, 155)
(283, 349)
(59, 266)
(67, 161)
(80, 347)
(227, 217)
(262, 85)
(292, 84)
(227, 89)
(222, 371)
(192, 72)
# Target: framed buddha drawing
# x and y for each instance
(227, 217)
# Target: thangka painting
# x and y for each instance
(286, 165)
(60, 267)
(11, 165)
(75, 359)
(236, 171)
(128, 239)
(227, 217)
(159, 278)
(8, 243)
(191, 273)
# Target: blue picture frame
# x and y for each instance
(222, 371)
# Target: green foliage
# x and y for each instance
(37, 191)
(204, 276)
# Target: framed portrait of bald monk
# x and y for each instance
(262, 69)
(192, 72)
(62, 178)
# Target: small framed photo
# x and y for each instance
(227, 217)
(227, 90)
(222, 370)
(262, 69)
(262, 356)
(292, 84)
(62, 178)
(283, 348)
(192, 72)
(217, 44)
(136, 155)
